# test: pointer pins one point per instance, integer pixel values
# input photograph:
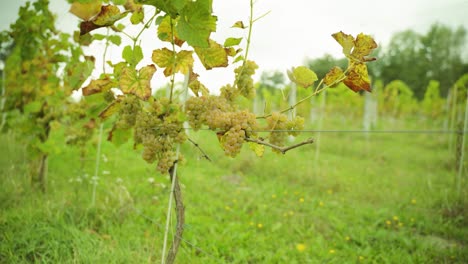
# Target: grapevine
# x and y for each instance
(124, 94)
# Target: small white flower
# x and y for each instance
(105, 172)
(155, 198)
(119, 180)
(163, 186)
(104, 158)
(79, 180)
(151, 180)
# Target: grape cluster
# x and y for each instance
(277, 121)
(158, 129)
(218, 114)
(295, 125)
(245, 83)
(129, 109)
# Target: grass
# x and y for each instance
(384, 198)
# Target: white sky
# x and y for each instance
(293, 30)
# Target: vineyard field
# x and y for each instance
(368, 198)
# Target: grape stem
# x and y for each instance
(280, 149)
(204, 155)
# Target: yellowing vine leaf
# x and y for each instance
(98, 86)
(196, 86)
(357, 78)
(239, 24)
(258, 149)
(356, 49)
(137, 83)
(346, 41)
(302, 76)
(363, 46)
(108, 15)
(111, 109)
(213, 56)
(179, 62)
(165, 31)
(334, 76)
(86, 11)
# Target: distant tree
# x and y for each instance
(416, 59)
(270, 82)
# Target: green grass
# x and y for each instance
(385, 198)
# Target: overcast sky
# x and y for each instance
(293, 30)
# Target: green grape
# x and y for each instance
(129, 109)
(158, 129)
(295, 125)
(245, 83)
(277, 121)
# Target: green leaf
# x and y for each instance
(115, 39)
(99, 36)
(137, 83)
(133, 57)
(302, 76)
(196, 23)
(170, 7)
(229, 42)
(137, 17)
(213, 56)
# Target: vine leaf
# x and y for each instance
(137, 83)
(333, 76)
(171, 7)
(98, 86)
(196, 23)
(363, 46)
(173, 62)
(302, 76)
(111, 109)
(358, 79)
(213, 56)
(132, 56)
(229, 42)
(239, 24)
(356, 50)
(196, 86)
(108, 15)
(346, 41)
(258, 149)
(85, 11)
(137, 16)
(165, 31)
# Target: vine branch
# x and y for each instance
(280, 149)
(204, 155)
